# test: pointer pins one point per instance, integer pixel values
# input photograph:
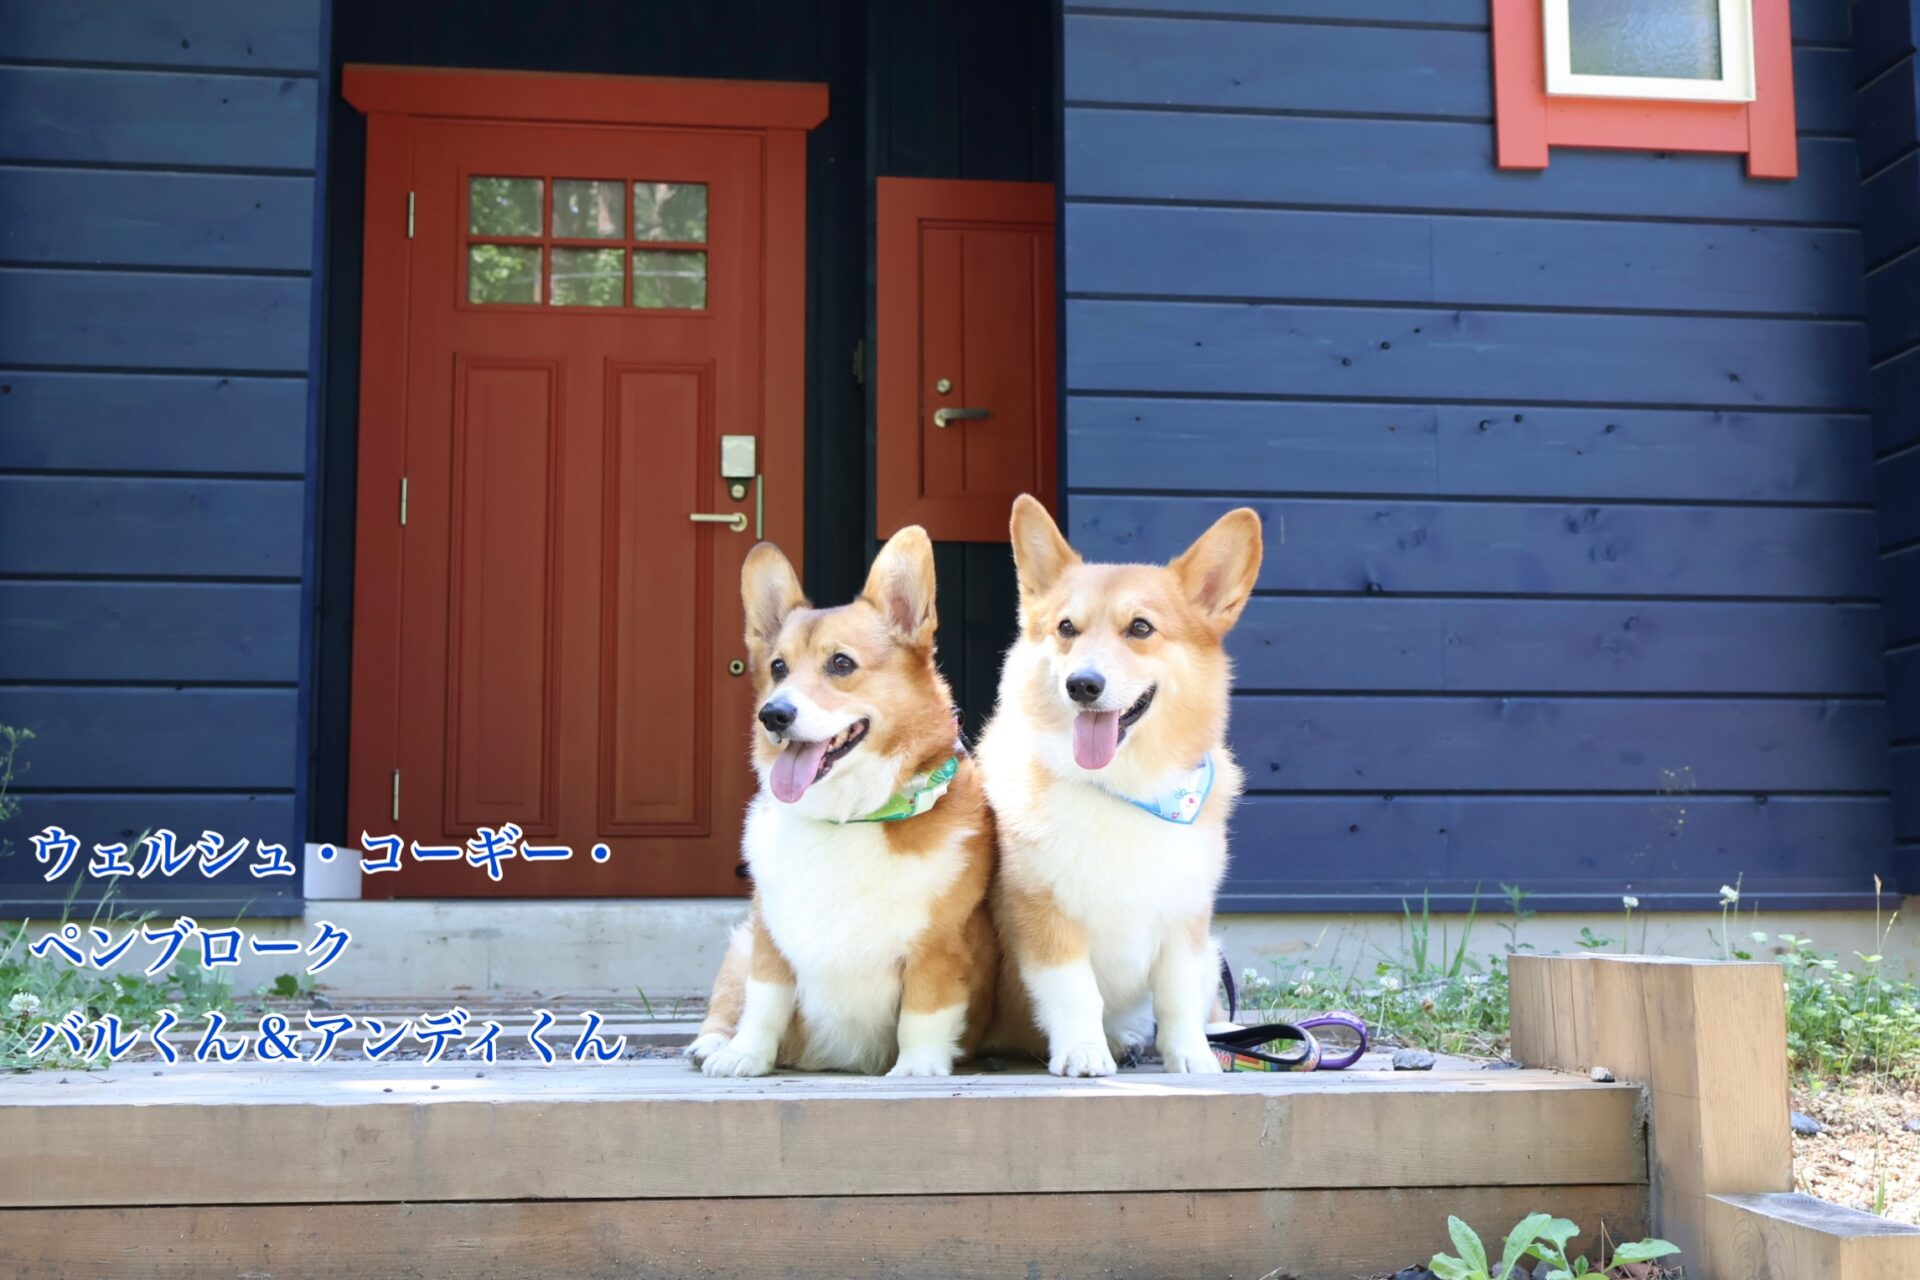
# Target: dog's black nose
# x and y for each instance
(778, 716)
(1086, 686)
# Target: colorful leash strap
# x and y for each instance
(1244, 1048)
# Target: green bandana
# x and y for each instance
(916, 802)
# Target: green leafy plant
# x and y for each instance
(1422, 961)
(1542, 1237)
(288, 986)
(10, 740)
(1520, 912)
(34, 989)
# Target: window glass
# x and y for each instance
(670, 211)
(1671, 39)
(504, 206)
(587, 277)
(503, 273)
(670, 278)
(587, 210)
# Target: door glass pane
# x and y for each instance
(670, 211)
(503, 273)
(1678, 39)
(503, 206)
(587, 277)
(587, 210)
(669, 278)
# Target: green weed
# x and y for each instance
(1542, 1237)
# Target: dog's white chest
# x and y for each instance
(1127, 876)
(846, 912)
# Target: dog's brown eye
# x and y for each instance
(841, 665)
(779, 669)
(1067, 628)
(1140, 629)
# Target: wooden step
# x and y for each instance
(645, 1167)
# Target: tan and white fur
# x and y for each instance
(1104, 911)
(869, 947)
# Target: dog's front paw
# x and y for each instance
(1081, 1060)
(704, 1047)
(923, 1062)
(738, 1060)
(1194, 1058)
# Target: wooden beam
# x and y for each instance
(1793, 1237)
(1312, 1235)
(1709, 1042)
(407, 1132)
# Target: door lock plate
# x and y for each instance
(736, 457)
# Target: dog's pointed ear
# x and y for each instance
(901, 586)
(770, 590)
(1218, 571)
(1040, 554)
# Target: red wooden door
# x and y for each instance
(584, 318)
(966, 354)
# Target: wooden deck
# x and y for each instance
(646, 1168)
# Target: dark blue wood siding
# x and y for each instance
(1888, 72)
(157, 165)
(1568, 476)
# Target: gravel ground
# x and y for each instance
(1866, 1153)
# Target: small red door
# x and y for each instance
(965, 354)
(583, 315)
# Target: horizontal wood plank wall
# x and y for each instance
(1888, 71)
(156, 244)
(1567, 476)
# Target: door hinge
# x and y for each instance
(409, 215)
(860, 363)
(396, 795)
(403, 502)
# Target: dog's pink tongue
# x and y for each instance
(1096, 736)
(795, 770)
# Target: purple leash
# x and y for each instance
(1239, 1049)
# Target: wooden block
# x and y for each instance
(1709, 1042)
(1312, 1235)
(1796, 1237)
(405, 1132)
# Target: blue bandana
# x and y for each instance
(1182, 802)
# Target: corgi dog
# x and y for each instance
(868, 947)
(1107, 766)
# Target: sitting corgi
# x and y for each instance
(869, 947)
(1107, 766)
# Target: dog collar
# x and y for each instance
(1182, 802)
(913, 803)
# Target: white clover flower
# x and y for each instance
(1304, 991)
(1729, 896)
(1630, 902)
(24, 1004)
(1757, 936)
(1389, 983)
(1249, 973)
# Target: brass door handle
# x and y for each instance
(941, 417)
(736, 521)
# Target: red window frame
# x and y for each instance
(1529, 122)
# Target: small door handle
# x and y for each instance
(941, 417)
(737, 521)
